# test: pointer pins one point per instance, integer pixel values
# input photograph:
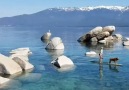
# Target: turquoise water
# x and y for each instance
(84, 76)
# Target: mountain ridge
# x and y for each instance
(88, 16)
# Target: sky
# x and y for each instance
(10, 8)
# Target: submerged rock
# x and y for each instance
(11, 85)
(30, 77)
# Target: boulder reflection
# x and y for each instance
(55, 53)
(46, 41)
(95, 46)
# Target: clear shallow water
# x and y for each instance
(85, 76)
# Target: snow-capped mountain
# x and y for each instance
(73, 16)
(119, 8)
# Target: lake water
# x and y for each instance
(84, 76)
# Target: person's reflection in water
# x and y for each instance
(101, 70)
(101, 55)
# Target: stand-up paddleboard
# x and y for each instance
(106, 63)
(98, 62)
(116, 64)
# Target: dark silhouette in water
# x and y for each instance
(113, 68)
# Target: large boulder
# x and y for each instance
(106, 33)
(20, 56)
(94, 39)
(101, 36)
(8, 66)
(25, 65)
(62, 61)
(109, 39)
(118, 36)
(90, 35)
(46, 36)
(83, 38)
(97, 34)
(102, 41)
(96, 30)
(109, 29)
(55, 53)
(22, 53)
(55, 43)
